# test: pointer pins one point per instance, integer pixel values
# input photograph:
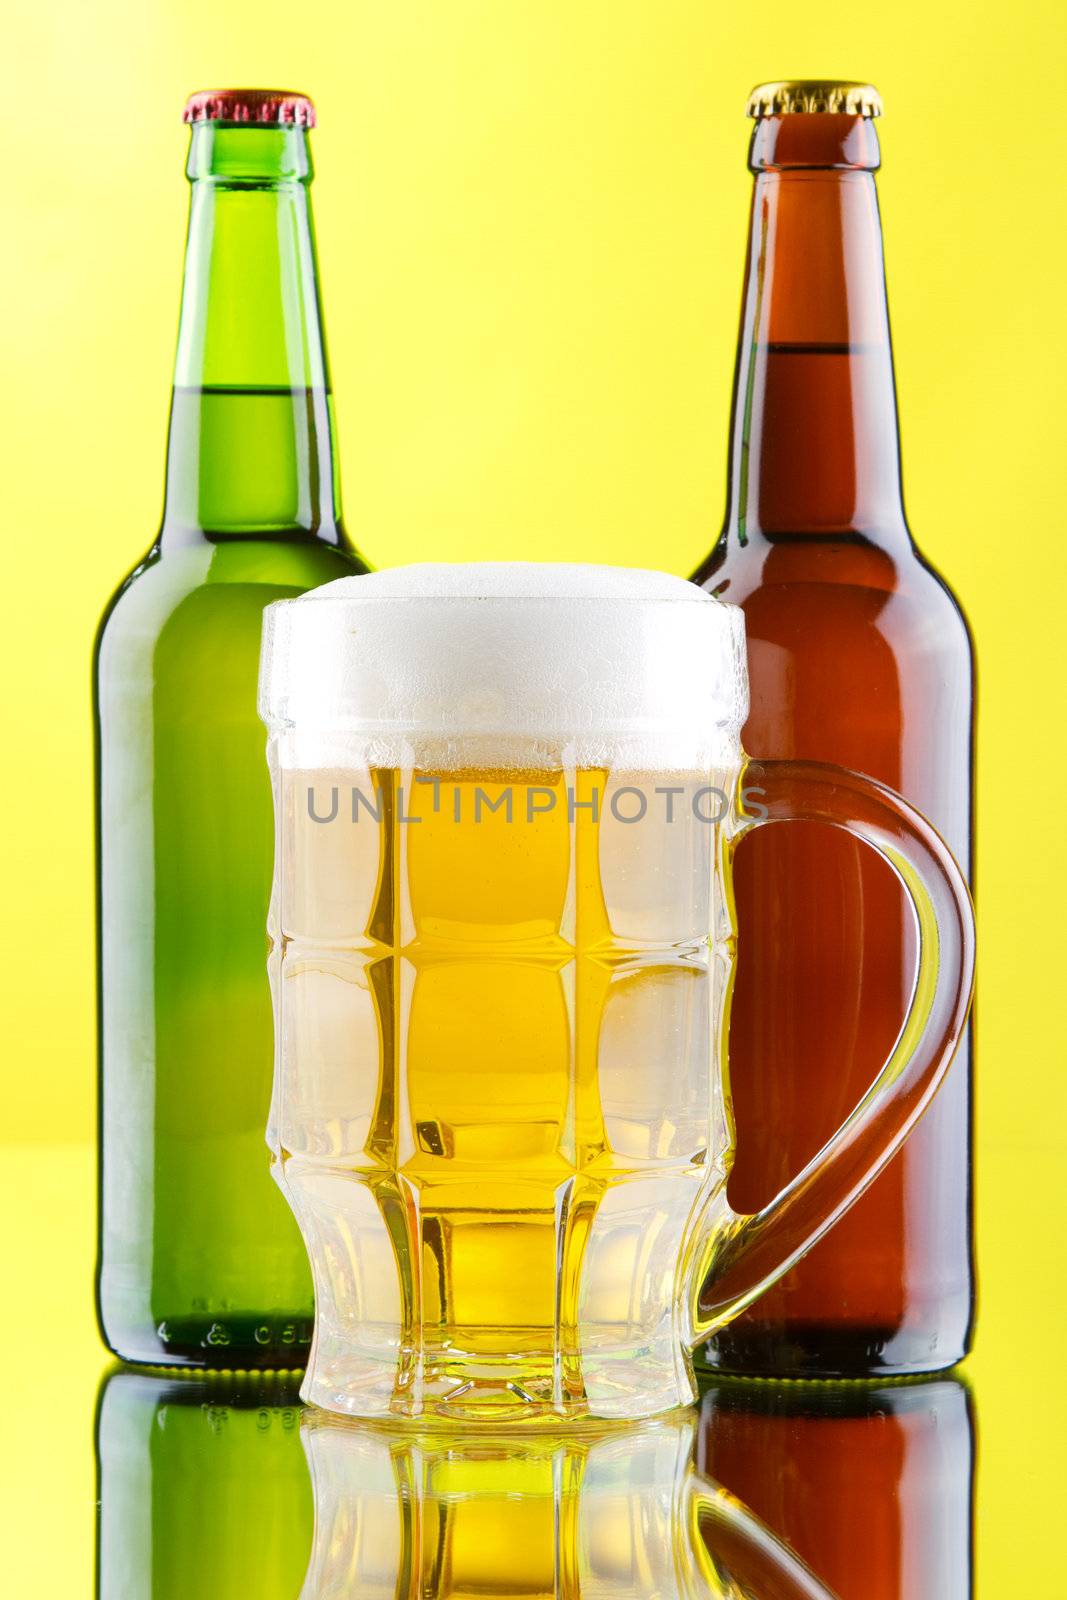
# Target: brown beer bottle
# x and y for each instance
(860, 655)
(871, 1484)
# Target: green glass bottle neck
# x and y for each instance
(251, 449)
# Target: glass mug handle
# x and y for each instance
(724, 1534)
(741, 1255)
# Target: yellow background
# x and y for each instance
(531, 221)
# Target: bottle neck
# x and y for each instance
(814, 447)
(251, 446)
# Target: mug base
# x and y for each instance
(449, 1385)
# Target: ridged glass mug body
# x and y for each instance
(497, 1108)
(506, 800)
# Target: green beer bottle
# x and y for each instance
(202, 1487)
(200, 1262)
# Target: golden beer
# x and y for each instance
(521, 955)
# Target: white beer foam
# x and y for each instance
(508, 663)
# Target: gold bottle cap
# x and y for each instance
(814, 94)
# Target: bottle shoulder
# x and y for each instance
(795, 588)
(942, 594)
(165, 576)
(208, 586)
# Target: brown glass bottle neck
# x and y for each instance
(814, 447)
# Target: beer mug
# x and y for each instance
(506, 801)
(608, 1511)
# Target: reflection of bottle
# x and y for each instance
(871, 1484)
(199, 1261)
(858, 654)
(600, 1512)
(202, 1488)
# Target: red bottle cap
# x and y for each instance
(279, 106)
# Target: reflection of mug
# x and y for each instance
(506, 800)
(871, 1483)
(201, 1488)
(606, 1511)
